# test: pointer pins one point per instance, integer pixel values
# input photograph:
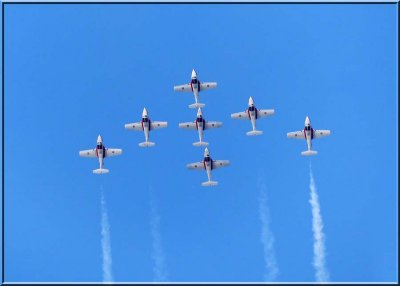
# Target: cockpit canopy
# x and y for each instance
(199, 118)
(99, 146)
(194, 80)
(207, 159)
(145, 119)
(252, 108)
(308, 128)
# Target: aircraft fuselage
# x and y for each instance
(101, 153)
(308, 135)
(253, 114)
(146, 125)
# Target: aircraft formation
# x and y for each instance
(200, 124)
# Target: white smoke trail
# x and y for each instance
(267, 238)
(321, 274)
(160, 273)
(105, 241)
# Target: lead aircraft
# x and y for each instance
(200, 125)
(195, 86)
(100, 152)
(308, 133)
(208, 164)
(252, 114)
(146, 125)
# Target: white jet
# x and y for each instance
(195, 86)
(208, 164)
(252, 114)
(200, 125)
(146, 125)
(100, 152)
(308, 133)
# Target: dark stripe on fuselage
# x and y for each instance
(197, 123)
(305, 133)
(198, 85)
(211, 163)
(149, 121)
(103, 153)
(255, 112)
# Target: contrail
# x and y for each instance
(105, 241)
(160, 272)
(321, 274)
(267, 238)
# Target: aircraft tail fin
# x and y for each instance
(209, 183)
(197, 105)
(254, 132)
(147, 144)
(101, 171)
(200, 143)
(309, 153)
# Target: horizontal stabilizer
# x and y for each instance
(254, 132)
(147, 144)
(197, 105)
(309, 153)
(101, 171)
(209, 183)
(198, 144)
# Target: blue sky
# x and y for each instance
(75, 71)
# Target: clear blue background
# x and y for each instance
(75, 71)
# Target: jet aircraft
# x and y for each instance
(308, 133)
(252, 114)
(195, 86)
(208, 164)
(146, 125)
(200, 125)
(100, 152)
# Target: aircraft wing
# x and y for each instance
(195, 166)
(134, 126)
(321, 133)
(188, 125)
(183, 87)
(88, 153)
(240, 115)
(296, 134)
(265, 112)
(207, 85)
(158, 124)
(220, 163)
(110, 152)
(213, 124)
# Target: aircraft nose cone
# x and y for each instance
(199, 112)
(251, 101)
(206, 152)
(307, 122)
(144, 112)
(99, 139)
(194, 74)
